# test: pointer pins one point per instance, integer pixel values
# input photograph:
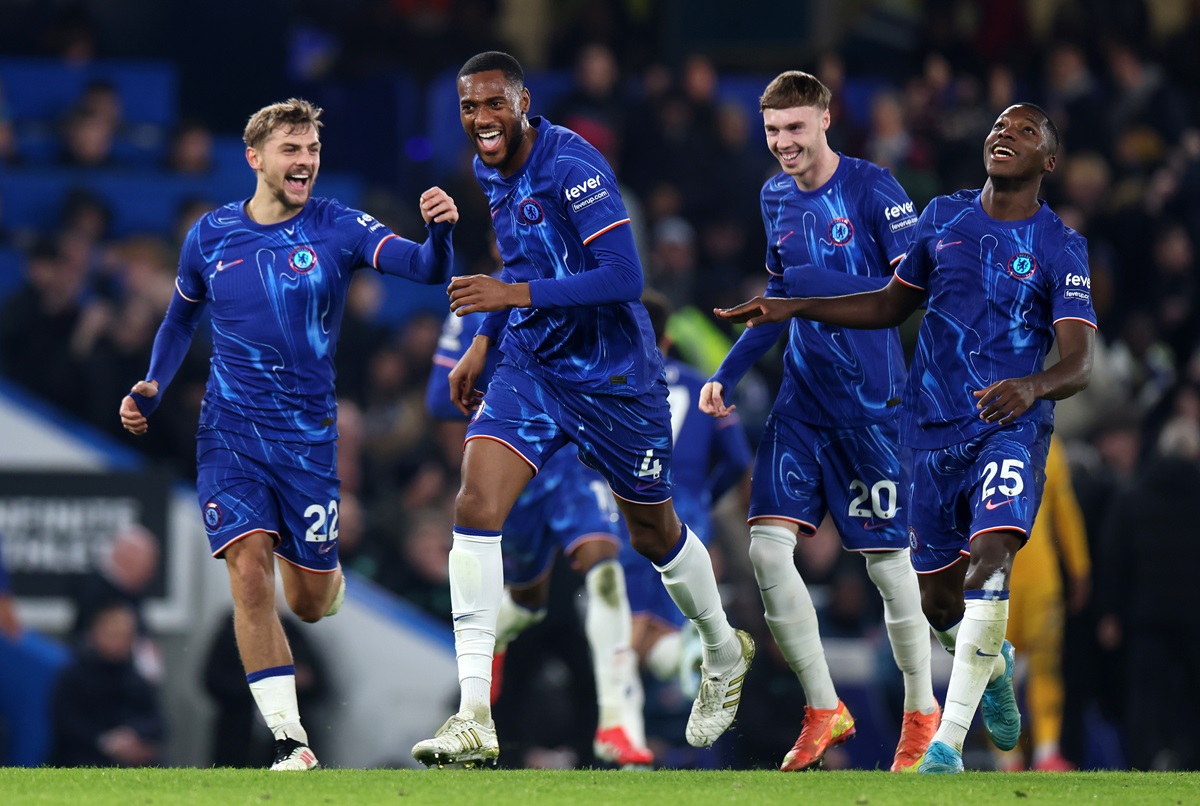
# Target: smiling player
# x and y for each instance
(579, 364)
(274, 270)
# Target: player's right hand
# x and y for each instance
(131, 416)
(759, 311)
(712, 400)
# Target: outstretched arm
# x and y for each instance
(886, 307)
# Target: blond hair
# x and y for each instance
(795, 88)
(296, 114)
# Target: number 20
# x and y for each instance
(316, 530)
(876, 494)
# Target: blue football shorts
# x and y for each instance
(988, 484)
(627, 440)
(287, 489)
(856, 474)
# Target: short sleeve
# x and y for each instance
(589, 191)
(1071, 284)
(190, 279)
(915, 268)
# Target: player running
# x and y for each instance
(273, 271)
(834, 224)
(578, 365)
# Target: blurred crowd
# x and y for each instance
(1123, 87)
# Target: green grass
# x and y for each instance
(225, 787)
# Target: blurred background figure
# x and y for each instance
(1051, 576)
(1145, 597)
(124, 573)
(106, 713)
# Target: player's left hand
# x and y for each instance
(437, 205)
(759, 311)
(1005, 401)
(480, 293)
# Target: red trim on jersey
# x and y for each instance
(1092, 325)
(375, 257)
(180, 290)
(910, 285)
(612, 226)
(276, 540)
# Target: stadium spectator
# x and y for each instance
(124, 573)
(1144, 602)
(273, 408)
(190, 150)
(834, 426)
(978, 461)
(37, 324)
(106, 713)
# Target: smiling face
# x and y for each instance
(287, 163)
(1019, 145)
(493, 113)
(796, 137)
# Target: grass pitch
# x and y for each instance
(226, 787)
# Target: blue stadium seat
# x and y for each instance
(12, 270)
(42, 89)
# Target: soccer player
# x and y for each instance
(834, 224)
(1002, 278)
(579, 364)
(711, 456)
(274, 271)
(568, 507)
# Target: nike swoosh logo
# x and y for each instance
(642, 486)
(871, 527)
(983, 654)
(940, 246)
(222, 265)
(783, 238)
(989, 505)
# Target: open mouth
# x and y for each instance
(789, 158)
(297, 182)
(489, 141)
(1001, 152)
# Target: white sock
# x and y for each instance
(892, 572)
(664, 657)
(276, 699)
(690, 581)
(609, 629)
(980, 636)
(948, 637)
(476, 588)
(514, 619)
(790, 613)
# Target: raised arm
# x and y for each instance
(430, 261)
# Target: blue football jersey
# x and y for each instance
(858, 223)
(276, 294)
(545, 215)
(996, 289)
(711, 454)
